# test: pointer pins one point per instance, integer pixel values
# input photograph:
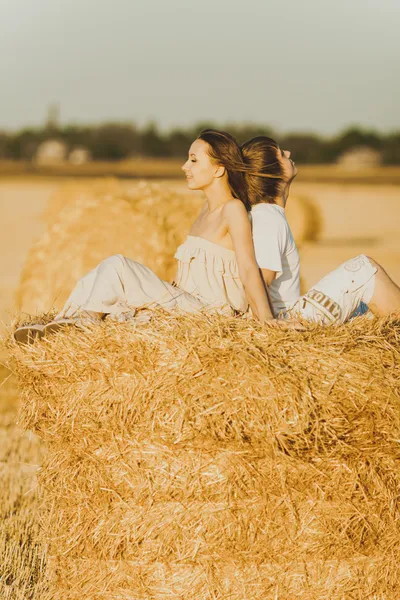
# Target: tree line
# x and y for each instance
(117, 141)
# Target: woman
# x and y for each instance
(217, 269)
(337, 296)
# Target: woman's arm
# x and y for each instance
(239, 229)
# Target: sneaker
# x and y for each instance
(29, 333)
(58, 325)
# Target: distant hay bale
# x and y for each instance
(199, 458)
(89, 223)
(79, 155)
(304, 218)
(51, 152)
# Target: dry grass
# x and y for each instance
(86, 224)
(163, 168)
(22, 553)
(337, 174)
(212, 458)
(154, 168)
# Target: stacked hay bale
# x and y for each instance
(200, 458)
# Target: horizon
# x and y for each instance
(165, 131)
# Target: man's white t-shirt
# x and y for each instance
(275, 249)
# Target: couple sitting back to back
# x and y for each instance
(239, 255)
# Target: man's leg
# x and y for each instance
(386, 297)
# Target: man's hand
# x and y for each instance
(285, 324)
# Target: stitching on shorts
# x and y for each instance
(324, 304)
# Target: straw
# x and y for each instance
(199, 457)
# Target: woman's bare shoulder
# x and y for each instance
(235, 208)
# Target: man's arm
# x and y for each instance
(268, 276)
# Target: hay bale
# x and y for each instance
(210, 457)
(304, 218)
(73, 195)
(87, 224)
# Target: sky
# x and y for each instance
(295, 65)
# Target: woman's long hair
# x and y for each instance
(264, 174)
(225, 151)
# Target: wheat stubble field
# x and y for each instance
(351, 218)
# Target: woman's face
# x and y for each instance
(199, 169)
(289, 168)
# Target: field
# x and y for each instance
(356, 213)
(161, 168)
